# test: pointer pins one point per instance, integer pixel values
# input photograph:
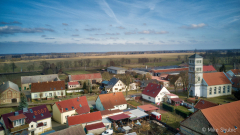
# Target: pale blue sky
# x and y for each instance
(118, 25)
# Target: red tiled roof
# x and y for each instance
(107, 112)
(170, 70)
(85, 77)
(236, 81)
(224, 116)
(73, 83)
(48, 86)
(236, 71)
(208, 68)
(74, 130)
(148, 107)
(37, 111)
(84, 118)
(176, 99)
(111, 99)
(119, 117)
(94, 126)
(79, 104)
(17, 117)
(216, 78)
(152, 90)
(203, 104)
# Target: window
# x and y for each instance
(210, 91)
(116, 88)
(219, 89)
(199, 61)
(198, 78)
(215, 90)
(149, 97)
(158, 98)
(9, 93)
(31, 126)
(35, 95)
(228, 89)
(45, 94)
(18, 122)
(199, 69)
(223, 89)
(45, 124)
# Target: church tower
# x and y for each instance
(195, 75)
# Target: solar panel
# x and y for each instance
(31, 110)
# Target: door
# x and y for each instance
(50, 94)
(30, 86)
(32, 132)
(25, 88)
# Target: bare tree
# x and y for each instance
(173, 79)
(41, 95)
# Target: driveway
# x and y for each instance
(57, 126)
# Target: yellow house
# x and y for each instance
(70, 107)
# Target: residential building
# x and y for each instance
(111, 101)
(115, 85)
(234, 72)
(206, 84)
(148, 108)
(9, 93)
(48, 90)
(26, 81)
(94, 77)
(203, 104)
(172, 99)
(176, 79)
(168, 71)
(154, 93)
(91, 122)
(217, 120)
(70, 107)
(208, 69)
(73, 85)
(236, 83)
(30, 121)
(162, 79)
(133, 86)
(144, 83)
(116, 70)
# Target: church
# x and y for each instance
(206, 84)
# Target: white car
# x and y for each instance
(108, 132)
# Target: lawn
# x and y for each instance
(172, 119)
(62, 77)
(184, 109)
(134, 103)
(132, 92)
(76, 72)
(182, 95)
(16, 78)
(222, 99)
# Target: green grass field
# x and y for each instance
(134, 103)
(222, 99)
(77, 72)
(172, 119)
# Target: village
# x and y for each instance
(188, 99)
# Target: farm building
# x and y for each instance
(116, 70)
(73, 85)
(94, 77)
(9, 92)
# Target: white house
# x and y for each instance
(206, 84)
(111, 101)
(115, 85)
(70, 107)
(48, 90)
(31, 121)
(116, 70)
(154, 93)
(73, 85)
(133, 86)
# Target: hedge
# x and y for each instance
(182, 113)
(168, 107)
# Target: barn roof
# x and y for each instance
(79, 77)
(48, 86)
(7, 85)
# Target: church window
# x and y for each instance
(223, 89)
(199, 69)
(215, 90)
(219, 89)
(210, 91)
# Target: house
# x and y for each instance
(148, 108)
(33, 120)
(91, 122)
(115, 85)
(206, 84)
(70, 107)
(173, 99)
(133, 86)
(94, 77)
(48, 90)
(74, 130)
(209, 69)
(144, 83)
(154, 93)
(116, 70)
(1, 129)
(203, 104)
(176, 79)
(73, 85)
(162, 79)
(111, 101)
(26, 81)
(103, 84)
(234, 72)
(220, 120)
(236, 83)
(167, 71)
(9, 93)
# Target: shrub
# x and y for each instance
(183, 113)
(168, 107)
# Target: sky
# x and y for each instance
(118, 25)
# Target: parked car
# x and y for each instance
(108, 132)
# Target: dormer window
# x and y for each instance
(17, 119)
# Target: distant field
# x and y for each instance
(16, 78)
(77, 72)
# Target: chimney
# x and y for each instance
(52, 80)
(47, 81)
(62, 109)
(38, 81)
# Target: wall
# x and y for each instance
(161, 95)
(217, 93)
(56, 113)
(39, 130)
(146, 97)
(68, 113)
(10, 94)
(73, 86)
(120, 107)
(58, 93)
(118, 87)
(90, 123)
(99, 105)
(97, 131)
(25, 85)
